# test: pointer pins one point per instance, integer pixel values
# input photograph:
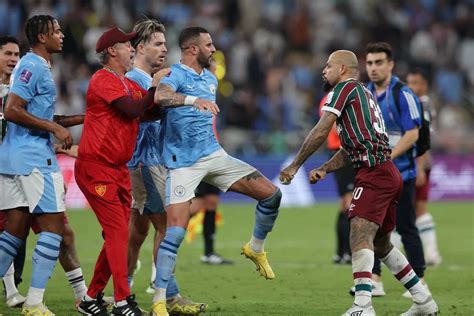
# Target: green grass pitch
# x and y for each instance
(301, 248)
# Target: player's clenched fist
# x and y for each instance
(287, 174)
(316, 174)
(64, 136)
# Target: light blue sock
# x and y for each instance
(130, 280)
(9, 246)
(265, 215)
(167, 254)
(172, 289)
(45, 257)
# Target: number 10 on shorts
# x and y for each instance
(357, 193)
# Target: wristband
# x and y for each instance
(189, 100)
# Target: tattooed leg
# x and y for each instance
(362, 234)
(254, 185)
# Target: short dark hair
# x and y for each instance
(145, 28)
(190, 34)
(5, 39)
(421, 72)
(380, 47)
(38, 24)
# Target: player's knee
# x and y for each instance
(272, 202)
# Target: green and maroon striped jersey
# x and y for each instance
(360, 123)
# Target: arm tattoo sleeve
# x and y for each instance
(338, 161)
(315, 138)
(69, 120)
(167, 97)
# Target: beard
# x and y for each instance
(204, 61)
(327, 86)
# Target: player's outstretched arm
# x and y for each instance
(165, 96)
(16, 112)
(69, 120)
(312, 142)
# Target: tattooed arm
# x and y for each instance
(165, 96)
(338, 161)
(69, 120)
(312, 142)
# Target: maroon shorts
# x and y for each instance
(35, 227)
(421, 193)
(376, 194)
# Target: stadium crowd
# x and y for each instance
(273, 51)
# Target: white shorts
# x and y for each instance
(218, 169)
(148, 189)
(40, 192)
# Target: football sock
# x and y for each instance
(172, 289)
(9, 282)
(265, 215)
(19, 263)
(78, 285)
(166, 260)
(153, 269)
(209, 229)
(44, 260)
(362, 263)
(343, 229)
(426, 227)
(401, 269)
(9, 246)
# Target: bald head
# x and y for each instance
(341, 65)
(345, 57)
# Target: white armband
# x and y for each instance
(189, 100)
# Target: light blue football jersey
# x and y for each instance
(146, 150)
(24, 149)
(186, 133)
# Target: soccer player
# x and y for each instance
(114, 104)
(378, 183)
(9, 56)
(345, 186)
(147, 205)
(417, 81)
(400, 109)
(29, 174)
(191, 154)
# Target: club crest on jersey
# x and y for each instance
(212, 88)
(25, 76)
(101, 189)
(179, 191)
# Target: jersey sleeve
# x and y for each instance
(410, 117)
(25, 81)
(338, 97)
(174, 78)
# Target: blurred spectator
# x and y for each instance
(274, 51)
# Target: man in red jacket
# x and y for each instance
(114, 104)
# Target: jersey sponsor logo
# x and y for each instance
(212, 88)
(179, 191)
(25, 76)
(101, 189)
(351, 207)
